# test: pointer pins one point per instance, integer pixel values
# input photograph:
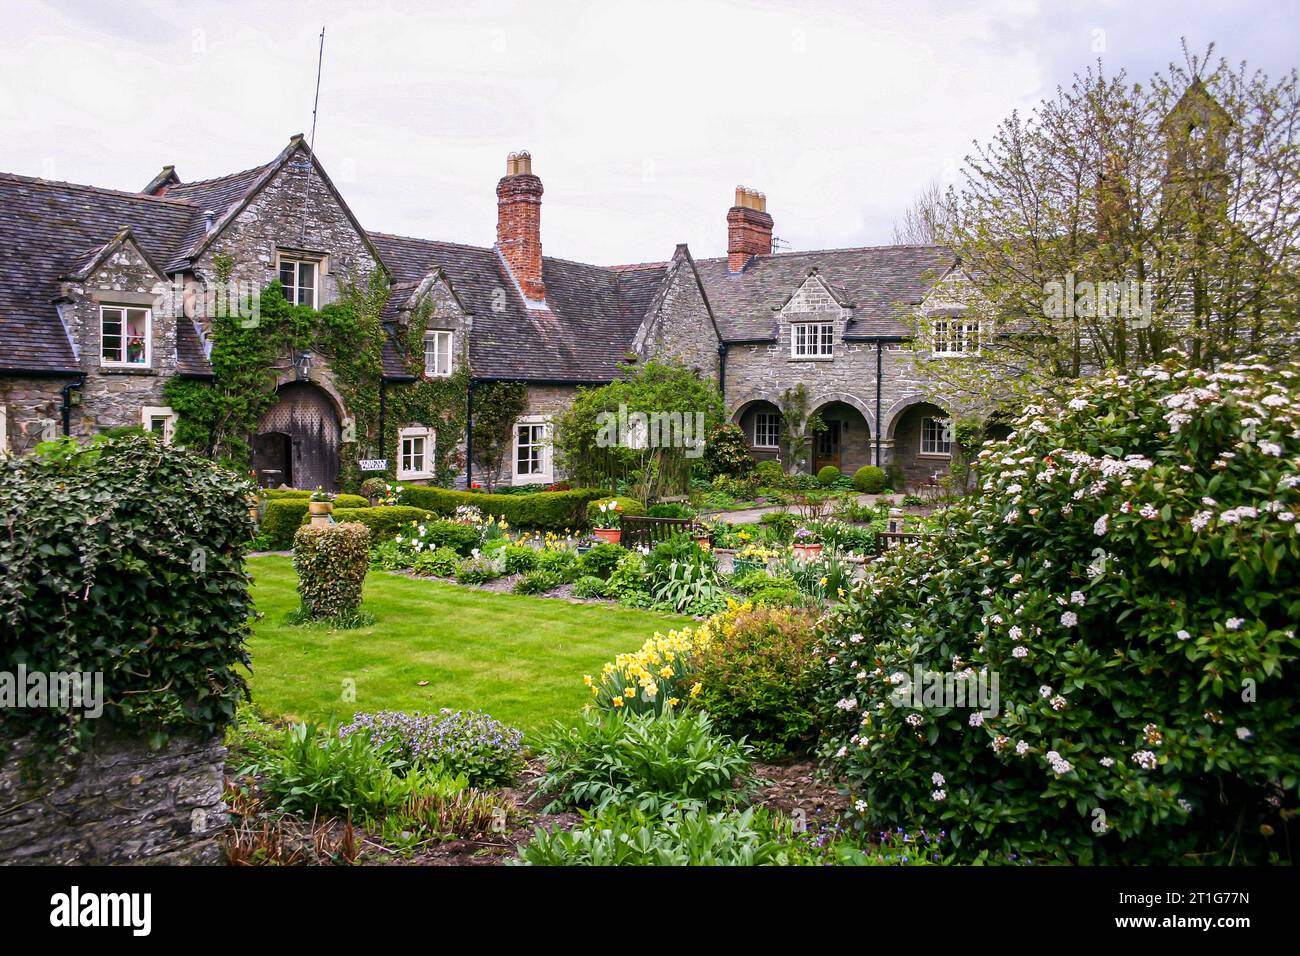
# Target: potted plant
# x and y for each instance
(806, 544)
(606, 522)
(320, 503)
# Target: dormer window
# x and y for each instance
(299, 277)
(437, 353)
(954, 336)
(124, 336)
(812, 339)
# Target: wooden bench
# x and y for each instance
(892, 539)
(642, 530)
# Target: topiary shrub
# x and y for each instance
(828, 476)
(869, 480)
(123, 558)
(384, 521)
(331, 561)
(627, 506)
(771, 474)
(280, 521)
(350, 501)
(1130, 572)
(759, 676)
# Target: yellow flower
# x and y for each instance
(666, 672)
(595, 690)
(674, 701)
(618, 702)
(586, 679)
(629, 692)
(695, 690)
(823, 581)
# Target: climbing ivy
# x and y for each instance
(219, 417)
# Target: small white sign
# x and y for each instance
(374, 464)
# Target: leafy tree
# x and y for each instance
(797, 428)
(1118, 219)
(643, 431)
(497, 406)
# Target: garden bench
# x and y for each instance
(643, 530)
(892, 539)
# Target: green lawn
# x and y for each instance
(519, 658)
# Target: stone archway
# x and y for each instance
(298, 438)
(846, 441)
(919, 446)
(757, 415)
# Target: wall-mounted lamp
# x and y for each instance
(303, 365)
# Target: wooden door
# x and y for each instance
(302, 429)
(828, 447)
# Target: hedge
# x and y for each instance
(547, 510)
(280, 521)
(626, 507)
(124, 558)
(384, 521)
(297, 494)
(869, 479)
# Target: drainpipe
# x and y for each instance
(469, 436)
(66, 392)
(879, 365)
(722, 372)
(383, 412)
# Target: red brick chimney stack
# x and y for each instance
(519, 224)
(749, 228)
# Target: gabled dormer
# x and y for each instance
(811, 321)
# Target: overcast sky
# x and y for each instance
(641, 117)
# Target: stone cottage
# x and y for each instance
(102, 292)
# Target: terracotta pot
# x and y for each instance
(807, 551)
(320, 507)
(612, 535)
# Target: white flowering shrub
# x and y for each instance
(1130, 573)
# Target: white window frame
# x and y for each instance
(442, 341)
(760, 427)
(545, 476)
(149, 412)
(942, 424)
(298, 262)
(812, 340)
(430, 439)
(954, 337)
(148, 337)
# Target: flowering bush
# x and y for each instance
(331, 562)
(485, 750)
(1130, 576)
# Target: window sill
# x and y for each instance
(934, 455)
(127, 370)
(812, 358)
(414, 476)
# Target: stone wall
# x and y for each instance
(123, 803)
(680, 329)
(33, 411)
(543, 400)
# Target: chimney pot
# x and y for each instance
(519, 221)
(749, 228)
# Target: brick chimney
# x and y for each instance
(749, 228)
(519, 224)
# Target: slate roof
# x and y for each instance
(592, 316)
(880, 283)
(50, 230)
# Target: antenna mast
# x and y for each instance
(311, 145)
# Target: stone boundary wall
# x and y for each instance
(123, 803)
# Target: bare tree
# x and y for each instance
(922, 220)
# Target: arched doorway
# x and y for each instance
(297, 442)
(760, 420)
(845, 441)
(921, 435)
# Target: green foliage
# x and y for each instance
(760, 675)
(727, 452)
(561, 562)
(627, 837)
(628, 578)
(519, 558)
(869, 480)
(797, 428)
(440, 562)
(548, 510)
(778, 595)
(479, 570)
(281, 520)
(497, 406)
(331, 562)
(589, 445)
(124, 558)
(827, 476)
(656, 764)
(770, 473)
(589, 586)
(384, 521)
(539, 581)
(1131, 572)
(601, 560)
(670, 510)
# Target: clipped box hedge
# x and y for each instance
(331, 562)
(297, 494)
(280, 521)
(546, 510)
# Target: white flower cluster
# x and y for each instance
(1145, 759)
(1059, 764)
